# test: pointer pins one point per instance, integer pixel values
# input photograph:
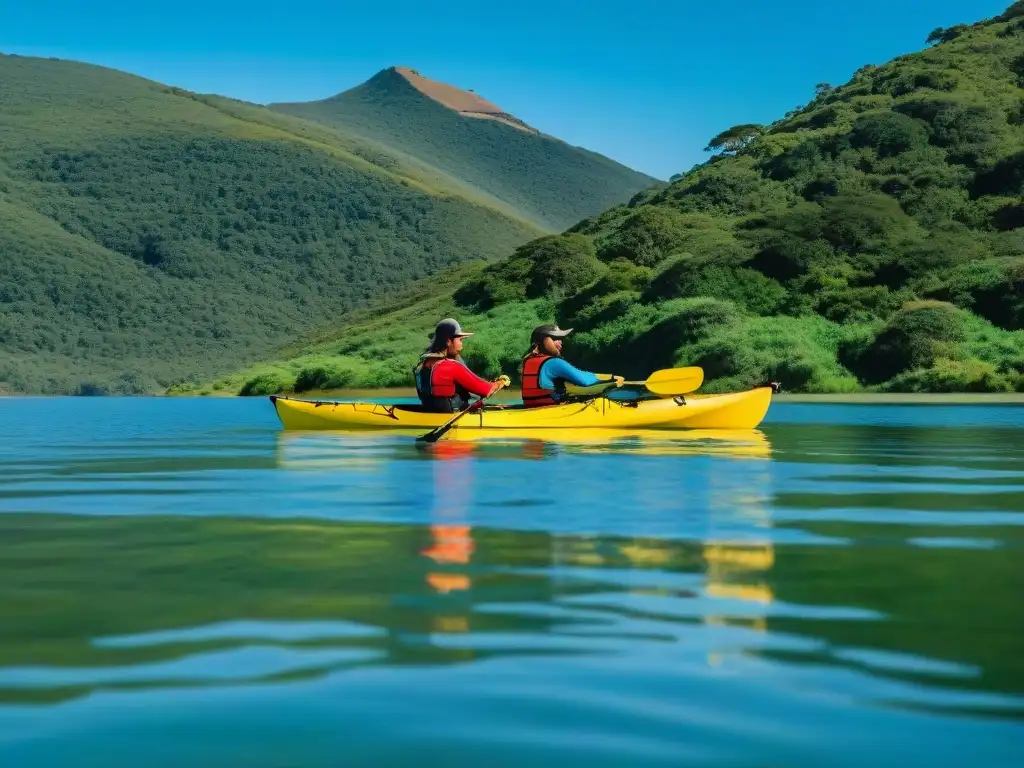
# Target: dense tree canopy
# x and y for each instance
(734, 139)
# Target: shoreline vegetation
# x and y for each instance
(512, 396)
(869, 241)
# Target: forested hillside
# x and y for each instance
(871, 239)
(149, 234)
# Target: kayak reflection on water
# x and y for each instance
(339, 449)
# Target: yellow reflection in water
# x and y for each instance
(451, 624)
(361, 449)
(736, 568)
(739, 443)
(646, 553)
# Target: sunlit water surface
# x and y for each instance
(182, 583)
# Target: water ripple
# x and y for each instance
(842, 586)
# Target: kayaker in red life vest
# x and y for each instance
(545, 373)
(443, 382)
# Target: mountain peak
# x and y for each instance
(465, 102)
(485, 150)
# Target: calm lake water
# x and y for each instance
(181, 583)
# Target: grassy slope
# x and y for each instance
(150, 234)
(377, 346)
(873, 239)
(554, 183)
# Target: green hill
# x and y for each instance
(552, 183)
(872, 239)
(150, 234)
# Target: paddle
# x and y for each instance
(674, 381)
(665, 382)
(437, 432)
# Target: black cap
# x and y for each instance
(548, 330)
(447, 329)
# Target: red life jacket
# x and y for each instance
(439, 394)
(533, 395)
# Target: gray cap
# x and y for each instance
(548, 330)
(448, 328)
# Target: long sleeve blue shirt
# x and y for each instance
(557, 368)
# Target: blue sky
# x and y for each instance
(646, 82)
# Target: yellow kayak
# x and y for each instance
(737, 410)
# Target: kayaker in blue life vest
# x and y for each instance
(545, 373)
(443, 382)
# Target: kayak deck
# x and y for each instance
(738, 410)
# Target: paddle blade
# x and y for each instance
(438, 432)
(675, 381)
